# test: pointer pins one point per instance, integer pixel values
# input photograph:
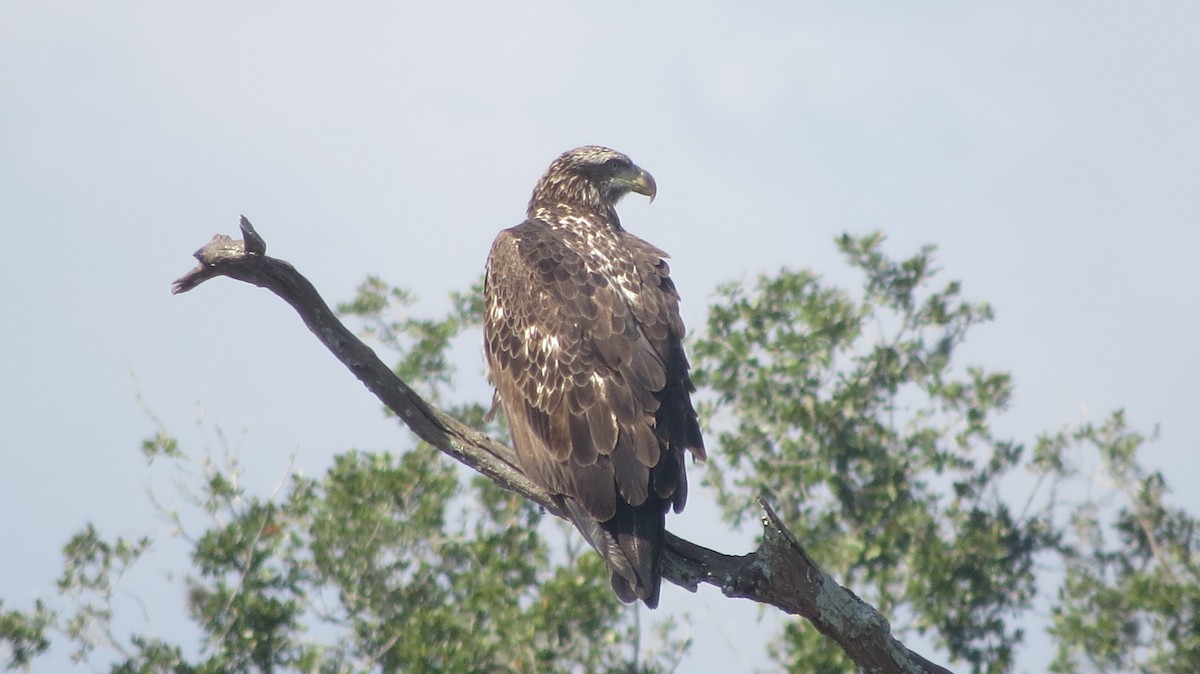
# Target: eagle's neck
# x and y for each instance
(567, 215)
(564, 194)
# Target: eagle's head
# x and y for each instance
(590, 178)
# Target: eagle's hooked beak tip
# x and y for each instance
(644, 183)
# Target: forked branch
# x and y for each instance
(779, 572)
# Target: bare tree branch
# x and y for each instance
(779, 573)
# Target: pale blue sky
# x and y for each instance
(1052, 152)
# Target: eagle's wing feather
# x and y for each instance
(572, 363)
(582, 362)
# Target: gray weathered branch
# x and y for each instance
(779, 572)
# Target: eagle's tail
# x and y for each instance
(631, 544)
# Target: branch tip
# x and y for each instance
(255, 244)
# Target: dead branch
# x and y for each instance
(779, 573)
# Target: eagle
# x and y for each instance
(584, 347)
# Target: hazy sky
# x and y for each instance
(1051, 151)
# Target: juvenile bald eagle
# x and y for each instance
(584, 346)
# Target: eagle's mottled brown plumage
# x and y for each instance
(584, 346)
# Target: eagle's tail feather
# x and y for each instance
(631, 544)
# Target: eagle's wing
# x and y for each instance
(582, 359)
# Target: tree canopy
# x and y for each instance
(846, 409)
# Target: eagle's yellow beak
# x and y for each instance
(643, 183)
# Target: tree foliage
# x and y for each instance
(847, 409)
(1130, 597)
(851, 413)
(848, 413)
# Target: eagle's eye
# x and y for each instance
(613, 164)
